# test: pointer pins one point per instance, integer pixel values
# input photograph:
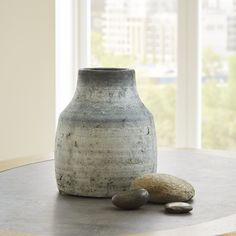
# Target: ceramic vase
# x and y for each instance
(105, 136)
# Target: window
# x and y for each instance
(141, 34)
(218, 74)
(185, 76)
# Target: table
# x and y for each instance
(29, 201)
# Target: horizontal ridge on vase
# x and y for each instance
(105, 136)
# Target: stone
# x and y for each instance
(131, 199)
(164, 188)
(178, 207)
(105, 136)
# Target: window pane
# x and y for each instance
(219, 74)
(141, 34)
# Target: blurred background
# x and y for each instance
(142, 34)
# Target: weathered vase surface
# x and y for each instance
(105, 137)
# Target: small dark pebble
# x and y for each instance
(131, 199)
(178, 207)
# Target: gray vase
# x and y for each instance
(105, 136)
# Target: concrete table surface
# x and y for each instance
(29, 201)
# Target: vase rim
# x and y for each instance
(106, 69)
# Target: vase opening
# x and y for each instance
(106, 69)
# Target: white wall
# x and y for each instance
(27, 77)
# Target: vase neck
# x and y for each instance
(106, 77)
(106, 85)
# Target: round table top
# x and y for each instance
(30, 202)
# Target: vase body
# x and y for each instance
(105, 137)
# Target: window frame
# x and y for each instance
(188, 93)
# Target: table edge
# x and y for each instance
(8, 164)
(22, 161)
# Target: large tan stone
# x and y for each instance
(164, 188)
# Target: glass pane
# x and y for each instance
(141, 34)
(219, 74)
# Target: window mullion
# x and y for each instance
(83, 33)
(188, 117)
(65, 53)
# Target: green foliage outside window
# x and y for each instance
(218, 99)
